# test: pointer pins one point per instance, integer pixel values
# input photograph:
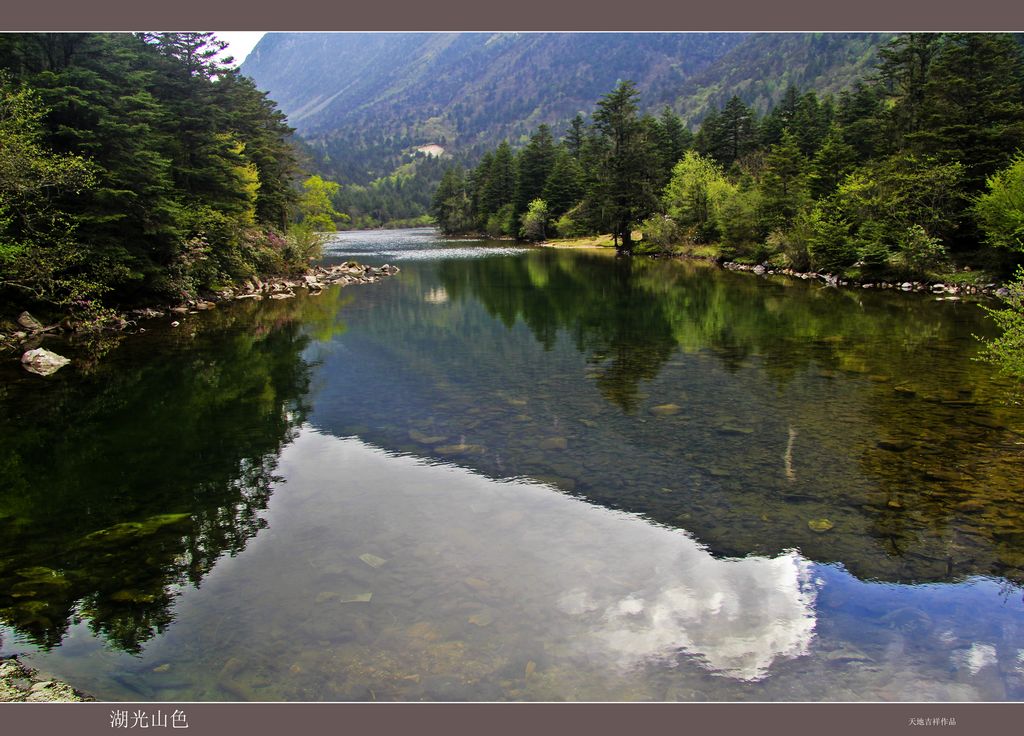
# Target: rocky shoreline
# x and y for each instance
(40, 361)
(942, 290)
(20, 683)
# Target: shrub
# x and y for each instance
(1000, 210)
(660, 233)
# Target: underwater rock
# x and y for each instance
(38, 582)
(481, 619)
(43, 362)
(847, 653)
(357, 598)
(372, 560)
(129, 530)
(425, 439)
(351, 598)
(132, 596)
(565, 484)
(731, 430)
(460, 449)
(893, 445)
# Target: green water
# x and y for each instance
(523, 474)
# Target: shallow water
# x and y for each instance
(514, 473)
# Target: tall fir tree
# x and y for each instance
(973, 104)
(626, 168)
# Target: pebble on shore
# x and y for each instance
(22, 684)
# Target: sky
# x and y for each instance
(240, 43)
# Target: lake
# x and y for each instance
(513, 473)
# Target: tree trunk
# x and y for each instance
(625, 246)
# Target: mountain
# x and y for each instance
(760, 69)
(364, 102)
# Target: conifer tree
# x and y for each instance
(627, 164)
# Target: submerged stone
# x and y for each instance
(664, 410)
(894, 445)
(356, 598)
(372, 560)
(566, 484)
(130, 530)
(426, 439)
(37, 573)
(460, 449)
(729, 429)
(133, 596)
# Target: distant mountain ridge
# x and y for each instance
(363, 101)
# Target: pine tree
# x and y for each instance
(534, 164)
(564, 186)
(626, 168)
(830, 165)
(904, 68)
(973, 106)
(738, 131)
(451, 206)
(783, 184)
(499, 185)
(575, 136)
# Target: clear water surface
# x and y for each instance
(529, 474)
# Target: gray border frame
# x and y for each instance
(792, 719)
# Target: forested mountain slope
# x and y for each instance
(362, 101)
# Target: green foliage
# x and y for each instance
(535, 221)
(39, 253)
(729, 135)
(1000, 210)
(790, 248)
(625, 186)
(660, 234)
(1007, 350)
(303, 245)
(783, 182)
(830, 165)
(316, 206)
(533, 165)
(740, 220)
(573, 224)
(918, 253)
(451, 206)
(972, 104)
(899, 212)
(183, 169)
(830, 247)
(502, 222)
(564, 185)
(696, 195)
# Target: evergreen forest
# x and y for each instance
(139, 168)
(913, 172)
